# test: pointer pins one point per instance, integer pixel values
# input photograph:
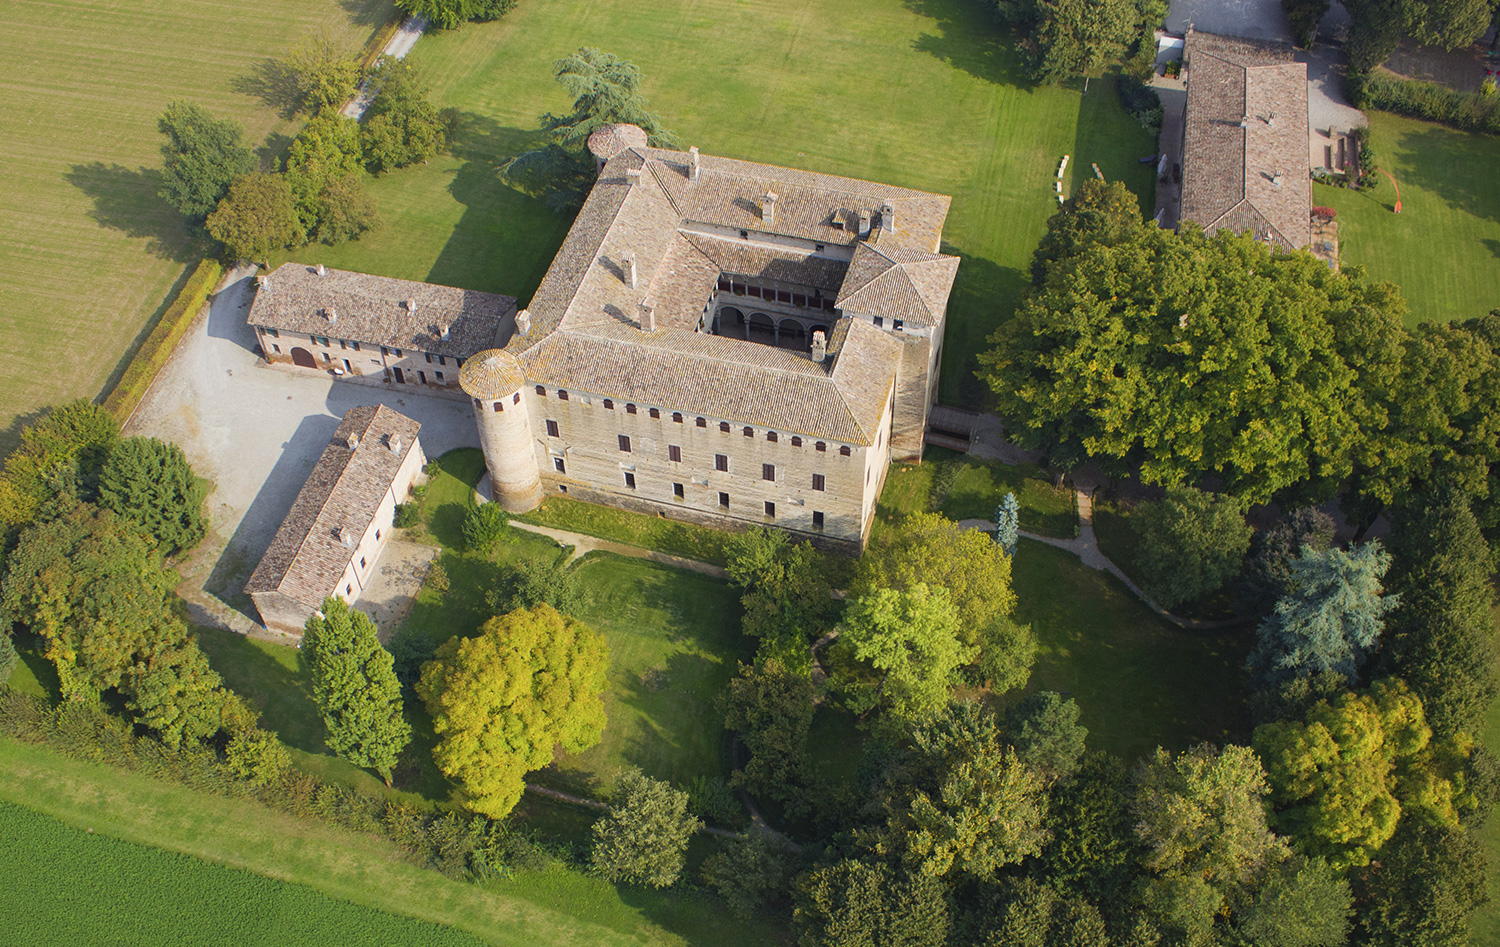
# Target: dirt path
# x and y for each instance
(583, 544)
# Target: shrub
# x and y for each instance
(711, 799)
(751, 871)
(485, 527)
(407, 515)
(1327, 213)
(1140, 100)
(1468, 111)
(437, 578)
(644, 838)
(530, 583)
(1192, 542)
(8, 658)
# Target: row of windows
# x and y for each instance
(349, 345)
(680, 491)
(816, 301)
(677, 418)
(721, 461)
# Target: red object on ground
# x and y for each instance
(1397, 208)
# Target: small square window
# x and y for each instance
(749, 432)
(723, 427)
(276, 348)
(676, 417)
(703, 422)
(768, 472)
(770, 509)
(377, 534)
(630, 480)
(428, 355)
(771, 436)
(879, 321)
(559, 466)
(273, 333)
(654, 413)
(818, 248)
(438, 375)
(609, 405)
(845, 451)
(721, 462)
(820, 446)
(724, 500)
(796, 441)
(562, 488)
(541, 390)
(562, 395)
(551, 428)
(515, 398)
(630, 409)
(817, 519)
(499, 406)
(361, 562)
(398, 354)
(674, 453)
(819, 483)
(354, 346)
(897, 324)
(625, 443)
(677, 491)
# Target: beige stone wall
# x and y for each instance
(594, 467)
(360, 358)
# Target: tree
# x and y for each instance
(410, 649)
(354, 683)
(325, 168)
(1091, 847)
(786, 597)
(345, 210)
(856, 904)
(1190, 355)
(1331, 618)
(1304, 17)
(771, 708)
(485, 527)
(257, 217)
(1429, 880)
(530, 582)
(451, 14)
(8, 658)
(1192, 543)
(1302, 903)
(76, 437)
(1022, 912)
(1342, 779)
(1098, 212)
(175, 692)
(910, 639)
(1045, 731)
(531, 681)
(1008, 524)
(401, 126)
(1268, 570)
(323, 74)
(1379, 25)
(1440, 637)
(644, 838)
(751, 872)
(201, 157)
(151, 484)
(1080, 37)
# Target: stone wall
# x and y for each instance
(418, 369)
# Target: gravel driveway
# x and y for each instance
(255, 432)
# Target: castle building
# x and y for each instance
(341, 520)
(717, 341)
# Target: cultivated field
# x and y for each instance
(88, 252)
(921, 93)
(1443, 249)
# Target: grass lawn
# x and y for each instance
(1139, 681)
(353, 875)
(88, 252)
(975, 488)
(633, 529)
(919, 93)
(1443, 249)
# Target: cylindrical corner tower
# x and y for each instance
(493, 379)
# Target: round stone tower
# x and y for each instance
(493, 379)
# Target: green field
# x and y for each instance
(976, 489)
(920, 93)
(88, 252)
(1443, 249)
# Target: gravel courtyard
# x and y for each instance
(255, 432)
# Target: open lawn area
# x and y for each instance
(1443, 249)
(352, 876)
(919, 93)
(962, 487)
(88, 252)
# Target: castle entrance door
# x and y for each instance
(302, 358)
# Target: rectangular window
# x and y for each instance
(273, 333)
(428, 356)
(676, 417)
(343, 344)
(551, 428)
(515, 398)
(630, 409)
(349, 590)
(674, 454)
(819, 483)
(541, 390)
(625, 443)
(439, 376)
(442, 361)
(724, 500)
(879, 321)
(817, 519)
(354, 346)
(499, 407)
(399, 354)
(677, 491)
(559, 466)
(796, 441)
(276, 348)
(386, 351)
(630, 480)
(771, 436)
(770, 509)
(377, 534)
(655, 413)
(723, 427)
(562, 395)
(749, 432)
(820, 446)
(844, 451)
(609, 405)
(768, 472)
(897, 324)
(703, 422)
(721, 462)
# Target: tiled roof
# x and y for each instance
(898, 281)
(1245, 153)
(306, 560)
(606, 141)
(491, 375)
(374, 309)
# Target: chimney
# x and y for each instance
(263, 284)
(627, 263)
(1244, 121)
(632, 175)
(693, 168)
(411, 305)
(443, 330)
(1271, 119)
(321, 270)
(888, 217)
(819, 346)
(864, 224)
(523, 322)
(347, 537)
(768, 207)
(353, 442)
(1276, 179)
(393, 441)
(648, 315)
(331, 315)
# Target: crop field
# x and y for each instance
(88, 252)
(920, 93)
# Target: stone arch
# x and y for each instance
(761, 328)
(793, 335)
(302, 358)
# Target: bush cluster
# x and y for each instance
(1468, 111)
(162, 341)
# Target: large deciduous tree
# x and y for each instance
(201, 157)
(1301, 903)
(1429, 880)
(531, 681)
(1080, 37)
(644, 838)
(257, 216)
(1045, 731)
(909, 640)
(401, 126)
(451, 14)
(76, 437)
(1268, 570)
(1187, 355)
(354, 683)
(1331, 618)
(1098, 212)
(786, 598)
(1192, 543)
(1379, 25)
(325, 168)
(771, 708)
(151, 484)
(857, 904)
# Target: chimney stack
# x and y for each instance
(693, 168)
(632, 176)
(443, 330)
(321, 270)
(347, 537)
(627, 263)
(888, 217)
(353, 442)
(523, 322)
(864, 224)
(411, 305)
(768, 207)
(648, 315)
(331, 315)
(263, 284)
(819, 346)
(393, 441)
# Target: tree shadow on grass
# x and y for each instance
(367, 12)
(271, 682)
(271, 81)
(128, 201)
(970, 40)
(985, 296)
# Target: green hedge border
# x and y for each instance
(1388, 92)
(378, 39)
(159, 345)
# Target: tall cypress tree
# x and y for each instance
(355, 686)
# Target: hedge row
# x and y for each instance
(376, 44)
(1469, 111)
(162, 341)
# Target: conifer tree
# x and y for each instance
(355, 686)
(1008, 524)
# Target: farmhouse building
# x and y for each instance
(1245, 139)
(341, 519)
(354, 324)
(716, 341)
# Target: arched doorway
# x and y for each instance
(302, 358)
(761, 329)
(731, 322)
(793, 335)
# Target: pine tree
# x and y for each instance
(1008, 524)
(355, 686)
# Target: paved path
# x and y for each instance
(583, 544)
(401, 44)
